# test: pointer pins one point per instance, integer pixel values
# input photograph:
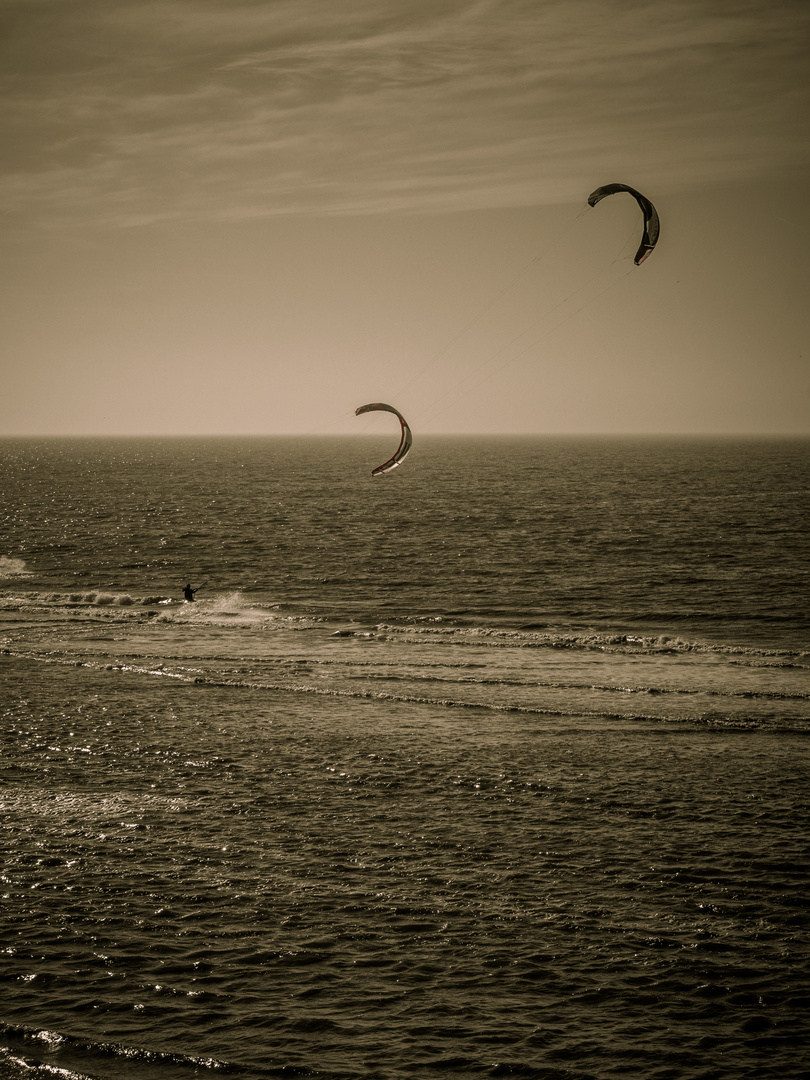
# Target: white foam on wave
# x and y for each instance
(13, 568)
(101, 598)
(229, 608)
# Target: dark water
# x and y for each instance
(495, 766)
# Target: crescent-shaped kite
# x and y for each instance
(652, 226)
(404, 443)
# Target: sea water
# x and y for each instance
(492, 766)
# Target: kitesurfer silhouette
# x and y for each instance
(188, 593)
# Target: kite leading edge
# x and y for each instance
(652, 225)
(404, 443)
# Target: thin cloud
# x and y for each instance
(119, 114)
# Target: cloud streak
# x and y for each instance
(120, 114)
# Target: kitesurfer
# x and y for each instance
(188, 593)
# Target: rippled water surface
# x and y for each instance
(497, 775)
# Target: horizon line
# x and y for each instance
(424, 435)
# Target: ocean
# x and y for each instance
(493, 766)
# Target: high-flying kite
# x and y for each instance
(404, 443)
(651, 224)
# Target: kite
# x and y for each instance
(651, 224)
(404, 443)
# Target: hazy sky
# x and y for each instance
(224, 216)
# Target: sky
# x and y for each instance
(253, 216)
